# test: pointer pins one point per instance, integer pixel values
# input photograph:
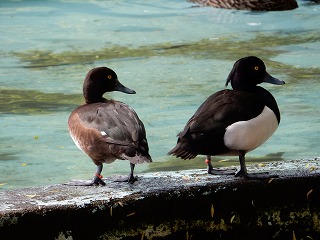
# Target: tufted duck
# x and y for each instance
(233, 122)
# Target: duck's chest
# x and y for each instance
(250, 134)
(90, 142)
(82, 136)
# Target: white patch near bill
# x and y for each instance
(248, 135)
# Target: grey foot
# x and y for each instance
(84, 183)
(219, 171)
(261, 175)
(94, 182)
(120, 178)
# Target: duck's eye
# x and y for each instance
(256, 68)
(109, 76)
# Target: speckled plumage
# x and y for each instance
(253, 5)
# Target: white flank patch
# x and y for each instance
(103, 133)
(76, 142)
(248, 135)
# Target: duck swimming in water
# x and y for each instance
(253, 5)
(233, 122)
(107, 130)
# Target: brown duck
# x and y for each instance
(107, 130)
(253, 5)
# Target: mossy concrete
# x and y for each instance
(172, 205)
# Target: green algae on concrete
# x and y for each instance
(172, 205)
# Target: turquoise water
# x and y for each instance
(173, 53)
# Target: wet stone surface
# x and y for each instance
(172, 205)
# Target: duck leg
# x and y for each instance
(242, 172)
(131, 178)
(216, 171)
(97, 179)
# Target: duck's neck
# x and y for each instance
(242, 85)
(267, 97)
(95, 100)
(269, 100)
(92, 98)
(244, 88)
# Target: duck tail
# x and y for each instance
(181, 152)
(144, 158)
(138, 158)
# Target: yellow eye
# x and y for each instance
(256, 68)
(109, 76)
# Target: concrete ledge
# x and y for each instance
(172, 205)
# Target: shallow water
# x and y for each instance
(172, 53)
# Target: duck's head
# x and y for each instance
(99, 81)
(249, 71)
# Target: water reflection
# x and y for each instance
(174, 164)
(173, 54)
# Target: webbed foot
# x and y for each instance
(97, 180)
(218, 171)
(260, 175)
(85, 183)
(242, 172)
(119, 178)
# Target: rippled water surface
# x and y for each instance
(173, 53)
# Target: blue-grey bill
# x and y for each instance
(269, 79)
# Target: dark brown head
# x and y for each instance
(99, 81)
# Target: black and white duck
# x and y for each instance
(233, 122)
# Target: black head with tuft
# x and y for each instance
(249, 71)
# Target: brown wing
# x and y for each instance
(116, 121)
(119, 126)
